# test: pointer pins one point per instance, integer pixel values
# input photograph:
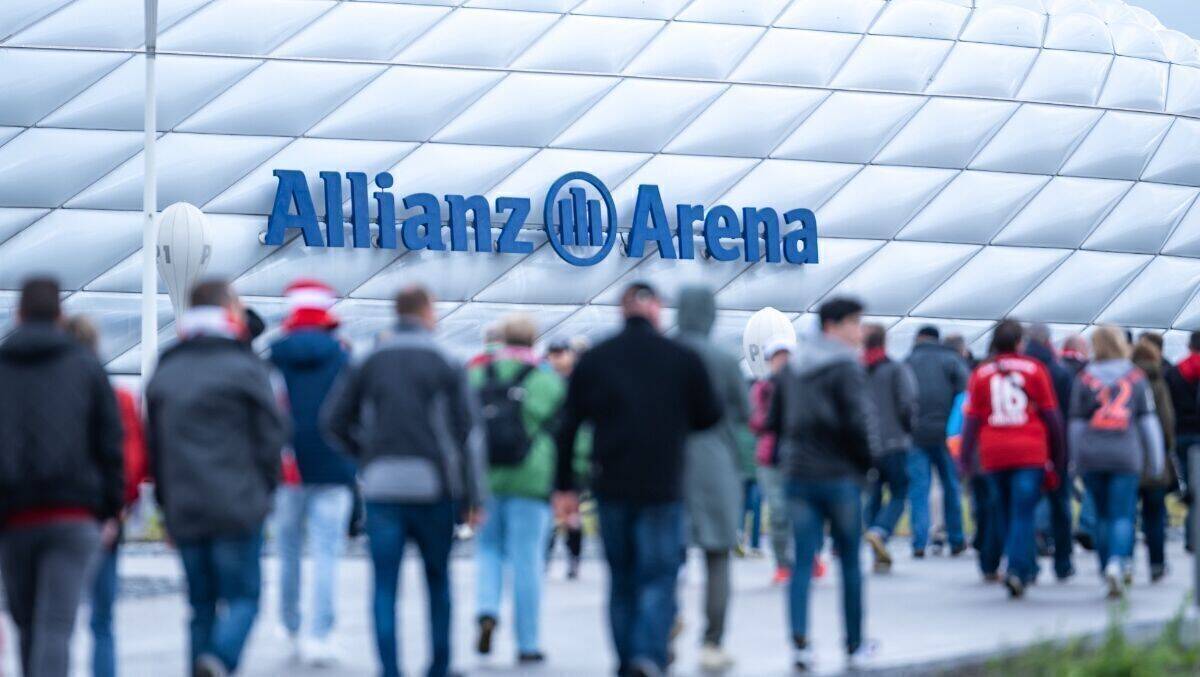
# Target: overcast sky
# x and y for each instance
(1182, 15)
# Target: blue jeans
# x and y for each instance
(431, 526)
(1018, 491)
(893, 472)
(644, 545)
(989, 532)
(921, 463)
(514, 534)
(1154, 523)
(1053, 519)
(322, 512)
(104, 596)
(1183, 448)
(752, 506)
(224, 579)
(1115, 496)
(812, 503)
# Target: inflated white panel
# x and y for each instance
(45, 79)
(991, 283)
(344, 268)
(46, 167)
(893, 63)
(760, 13)
(946, 133)
(1178, 159)
(14, 220)
(538, 279)
(1131, 39)
(695, 50)
(533, 178)
(1136, 83)
(639, 115)
(878, 201)
(1144, 219)
(669, 276)
(1061, 76)
(797, 288)
(843, 16)
(1004, 24)
(973, 207)
(721, 130)
(85, 244)
(17, 14)
(1183, 93)
(242, 26)
(112, 24)
(1080, 288)
(682, 179)
(1064, 212)
(787, 184)
(478, 37)
(774, 60)
(1119, 146)
(526, 109)
(589, 44)
(637, 9)
(1080, 32)
(900, 274)
(1157, 295)
(983, 70)
(1036, 139)
(849, 127)
(1185, 241)
(921, 19)
(362, 30)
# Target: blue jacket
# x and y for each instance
(310, 360)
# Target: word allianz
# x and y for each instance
(753, 234)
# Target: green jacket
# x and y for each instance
(545, 391)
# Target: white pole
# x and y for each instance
(150, 204)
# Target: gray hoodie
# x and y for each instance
(712, 481)
(1130, 448)
(894, 392)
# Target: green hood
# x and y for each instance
(697, 310)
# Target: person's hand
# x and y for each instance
(110, 530)
(1051, 480)
(566, 505)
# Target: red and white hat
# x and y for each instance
(309, 303)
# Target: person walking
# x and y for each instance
(1014, 432)
(941, 375)
(1116, 437)
(1053, 517)
(828, 436)
(520, 404)
(562, 356)
(1183, 380)
(643, 394)
(406, 414)
(215, 434)
(766, 455)
(62, 476)
(712, 485)
(310, 358)
(1153, 489)
(894, 393)
(105, 581)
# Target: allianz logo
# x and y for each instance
(579, 214)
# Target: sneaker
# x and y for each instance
(1085, 540)
(991, 577)
(1016, 587)
(714, 659)
(208, 665)
(863, 657)
(644, 668)
(956, 550)
(531, 658)
(804, 659)
(572, 569)
(883, 558)
(783, 576)
(818, 567)
(320, 653)
(291, 640)
(1114, 581)
(919, 553)
(1157, 572)
(487, 625)
(1066, 575)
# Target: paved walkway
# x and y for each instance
(924, 611)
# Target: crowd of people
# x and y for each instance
(663, 435)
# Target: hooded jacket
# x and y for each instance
(894, 394)
(407, 415)
(941, 375)
(1163, 408)
(1134, 448)
(712, 482)
(823, 414)
(60, 430)
(215, 435)
(1183, 380)
(310, 360)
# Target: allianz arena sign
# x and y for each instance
(582, 230)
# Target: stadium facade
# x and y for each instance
(965, 160)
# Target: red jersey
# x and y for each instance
(1007, 396)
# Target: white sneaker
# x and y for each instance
(290, 640)
(804, 660)
(321, 653)
(714, 658)
(863, 657)
(1114, 580)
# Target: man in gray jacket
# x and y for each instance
(941, 375)
(406, 414)
(894, 392)
(214, 438)
(712, 478)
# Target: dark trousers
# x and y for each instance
(752, 509)
(224, 580)
(1154, 524)
(104, 596)
(813, 504)
(989, 533)
(1058, 502)
(893, 473)
(431, 526)
(1183, 447)
(45, 568)
(644, 546)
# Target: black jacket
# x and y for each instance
(823, 414)
(941, 375)
(1062, 379)
(1184, 398)
(644, 394)
(214, 436)
(60, 432)
(407, 415)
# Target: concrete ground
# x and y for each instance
(924, 611)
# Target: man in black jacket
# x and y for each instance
(214, 438)
(643, 394)
(828, 436)
(1184, 382)
(61, 474)
(1053, 517)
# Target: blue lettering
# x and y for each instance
(721, 222)
(387, 211)
(335, 233)
(424, 230)
(768, 219)
(687, 216)
(518, 208)
(805, 235)
(481, 218)
(360, 212)
(650, 223)
(293, 189)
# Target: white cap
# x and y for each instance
(777, 345)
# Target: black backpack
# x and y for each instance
(502, 404)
